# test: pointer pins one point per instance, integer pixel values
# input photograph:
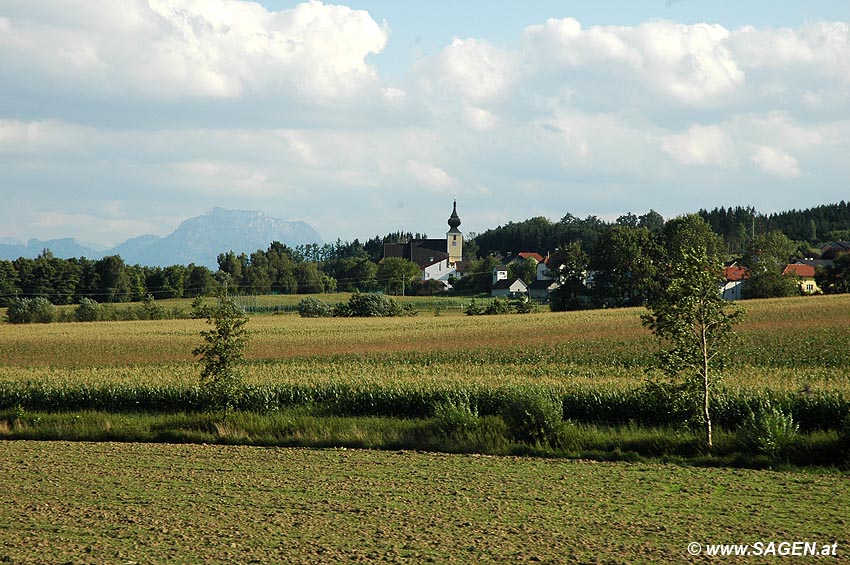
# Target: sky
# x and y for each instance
(121, 118)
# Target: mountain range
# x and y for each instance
(197, 240)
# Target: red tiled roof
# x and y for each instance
(803, 271)
(536, 256)
(735, 273)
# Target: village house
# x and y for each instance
(506, 288)
(734, 277)
(805, 274)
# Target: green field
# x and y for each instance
(791, 353)
(106, 502)
(159, 503)
(784, 345)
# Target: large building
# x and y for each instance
(438, 259)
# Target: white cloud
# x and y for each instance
(471, 68)
(776, 162)
(701, 145)
(191, 48)
(480, 119)
(430, 176)
(689, 64)
(225, 103)
(823, 47)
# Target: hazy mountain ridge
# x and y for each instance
(197, 240)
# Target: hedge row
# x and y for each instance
(642, 405)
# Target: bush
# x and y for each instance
(37, 310)
(768, 431)
(521, 305)
(87, 311)
(498, 306)
(150, 310)
(456, 416)
(534, 416)
(473, 309)
(427, 288)
(312, 308)
(362, 305)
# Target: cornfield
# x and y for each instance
(794, 353)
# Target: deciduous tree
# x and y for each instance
(688, 313)
(397, 274)
(766, 257)
(221, 354)
(568, 266)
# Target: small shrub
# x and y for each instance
(87, 311)
(521, 305)
(341, 310)
(363, 305)
(768, 431)
(312, 308)
(19, 311)
(473, 309)
(453, 416)
(150, 310)
(37, 310)
(498, 306)
(534, 416)
(199, 309)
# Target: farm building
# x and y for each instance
(541, 288)
(509, 288)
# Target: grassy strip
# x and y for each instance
(492, 435)
(646, 405)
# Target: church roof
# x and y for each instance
(423, 252)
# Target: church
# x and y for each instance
(438, 259)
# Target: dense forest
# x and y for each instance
(608, 248)
(736, 226)
(817, 225)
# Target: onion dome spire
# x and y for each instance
(454, 219)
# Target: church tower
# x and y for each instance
(454, 239)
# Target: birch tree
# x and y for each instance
(688, 313)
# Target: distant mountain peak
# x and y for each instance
(197, 240)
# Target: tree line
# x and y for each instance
(623, 257)
(305, 269)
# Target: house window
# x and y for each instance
(810, 287)
(454, 244)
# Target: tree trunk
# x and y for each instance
(705, 381)
(706, 414)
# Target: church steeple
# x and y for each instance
(454, 238)
(454, 219)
